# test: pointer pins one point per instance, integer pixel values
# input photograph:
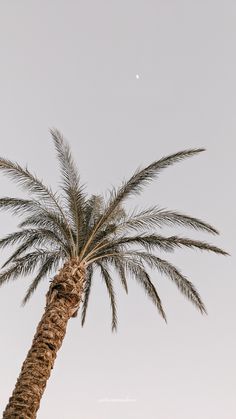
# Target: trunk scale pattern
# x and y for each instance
(62, 303)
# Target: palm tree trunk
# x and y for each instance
(62, 302)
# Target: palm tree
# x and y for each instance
(76, 235)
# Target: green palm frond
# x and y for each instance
(41, 222)
(116, 215)
(154, 217)
(74, 195)
(21, 249)
(137, 271)
(108, 282)
(23, 266)
(93, 209)
(135, 184)
(32, 185)
(39, 215)
(142, 177)
(87, 291)
(29, 182)
(121, 272)
(39, 237)
(166, 268)
(43, 218)
(185, 242)
(48, 265)
(151, 241)
(17, 236)
(146, 220)
(16, 205)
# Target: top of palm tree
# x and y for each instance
(55, 228)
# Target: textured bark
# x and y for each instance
(62, 303)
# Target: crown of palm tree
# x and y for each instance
(56, 228)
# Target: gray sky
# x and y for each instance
(73, 65)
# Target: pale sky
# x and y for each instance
(127, 82)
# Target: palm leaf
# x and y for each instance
(142, 177)
(86, 295)
(17, 205)
(39, 214)
(74, 194)
(51, 223)
(135, 185)
(136, 269)
(48, 219)
(121, 272)
(21, 249)
(92, 212)
(154, 217)
(23, 266)
(164, 267)
(17, 236)
(32, 185)
(40, 237)
(108, 282)
(176, 241)
(164, 243)
(51, 263)
(29, 182)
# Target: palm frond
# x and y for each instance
(135, 185)
(137, 270)
(177, 241)
(92, 212)
(32, 185)
(17, 236)
(74, 194)
(116, 215)
(50, 263)
(29, 182)
(21, 249)
(16, 205)
(93, 209)
(40, 215)
(154, 217)
(108, 282)
(146, 220)
(121, 272)
(167, 244)
(142, 177)
(116, 245)
(23, 266)
(86, 295)
(39, 237)
(51, 223)
(164, 267)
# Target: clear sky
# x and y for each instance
(74, 65)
